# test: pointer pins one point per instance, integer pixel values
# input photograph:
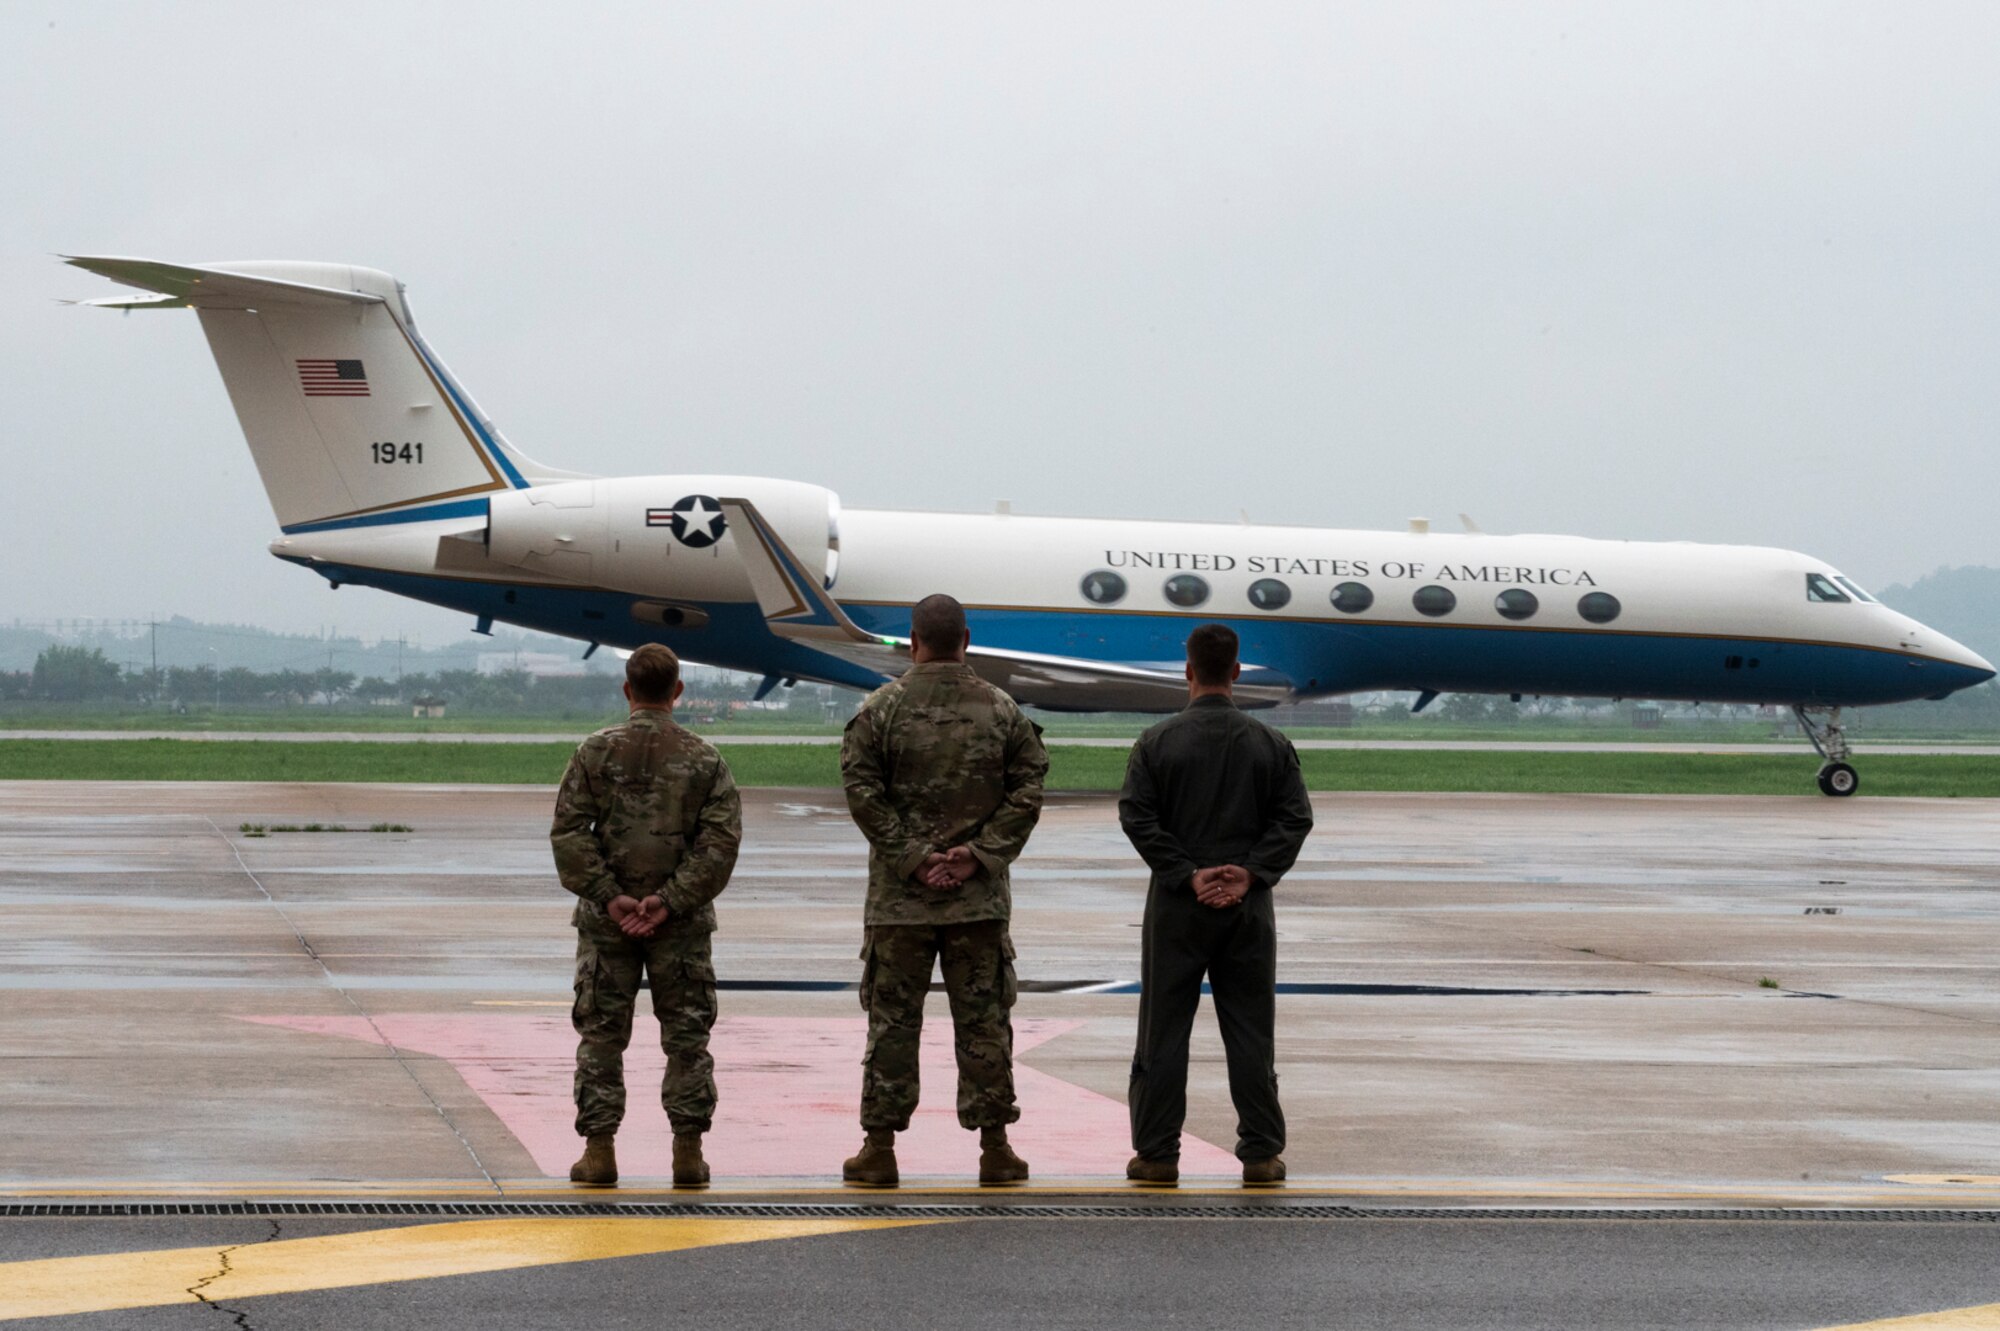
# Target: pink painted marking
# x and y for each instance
(790, 1093)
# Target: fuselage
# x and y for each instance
(382, 471)
(1319, 611)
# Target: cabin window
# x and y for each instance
(1270, 594)
(1187, 590)
(1819, 587)
(1351, 598)
(1434, 601)
(1516, 603)
(1599, 607)
(1103, 587)
(1850, 584)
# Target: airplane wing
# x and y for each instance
(182, 286)
(797, 609)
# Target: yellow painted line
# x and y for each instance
(56, 1286)
(1986, 1317)
(1348, 1189)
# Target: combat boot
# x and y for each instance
(1264, 1173)
(690, 1170)
(875, 1166)
(997, 1161)
(1164, 1173)
(599, 1166)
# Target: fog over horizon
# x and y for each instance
(1714, 272)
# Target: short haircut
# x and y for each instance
(652, 671)
(1211, 651)
(938, 622)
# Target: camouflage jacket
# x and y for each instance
(647, 808)
(941, 758)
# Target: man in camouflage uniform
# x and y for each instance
(944, 777)
(646, 829)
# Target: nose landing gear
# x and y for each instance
(1822, 727)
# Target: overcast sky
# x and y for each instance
(1709, 272)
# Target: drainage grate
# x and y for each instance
(1269, 1210)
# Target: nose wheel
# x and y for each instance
(1822, 726)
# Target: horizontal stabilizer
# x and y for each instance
(206, 288)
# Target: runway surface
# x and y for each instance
(1527, 1004)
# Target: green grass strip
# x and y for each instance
(1074, 767)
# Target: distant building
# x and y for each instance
(427, 708)
(541, 665)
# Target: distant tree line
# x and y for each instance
(65, 674)
(83, 675)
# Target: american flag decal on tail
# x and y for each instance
(333, 378)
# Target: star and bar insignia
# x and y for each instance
(696, 521)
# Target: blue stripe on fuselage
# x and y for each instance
(735, 635)
(1331, 658)
(1319, 658)
(464, 508)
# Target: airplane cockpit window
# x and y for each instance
(1103, 587)
(1434, 601)
(1351, 598)
(1186, 590)
(1270, 594)
(1598, 607)
(1819, 587)
(1850, 584)
(1516, 603)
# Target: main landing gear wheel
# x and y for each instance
(1822, 727)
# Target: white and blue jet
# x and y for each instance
(383, 472)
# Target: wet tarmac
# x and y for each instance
(1645, 992)
(1489, 1000)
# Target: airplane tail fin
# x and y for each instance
(350, 417)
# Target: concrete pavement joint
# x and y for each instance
(359, 1011)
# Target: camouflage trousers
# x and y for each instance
(978, 964)
(682, 979)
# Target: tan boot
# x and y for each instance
(1161, 1173)
(875, 1166)
(1264, 1173)
(690, 1170)
(997, 1161)
(599, 1166)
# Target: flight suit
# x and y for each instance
(938, 759)
(1210, 786)
(645, 808)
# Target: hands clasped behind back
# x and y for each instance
(1221, 886)
(637, 918)
(942, 871)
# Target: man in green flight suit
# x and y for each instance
(646, 830)
(944, 777)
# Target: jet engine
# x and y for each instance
(659, 535)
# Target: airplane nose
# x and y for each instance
(1978, 669)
